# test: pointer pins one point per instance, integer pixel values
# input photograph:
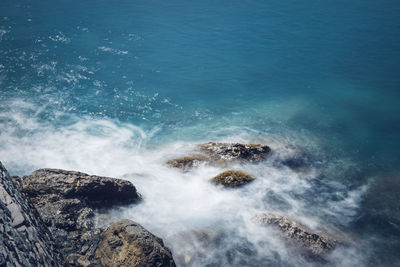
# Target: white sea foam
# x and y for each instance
(60, 38)
(112, 50)
(177, 206)
(3, 32)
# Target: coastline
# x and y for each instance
(67, 204)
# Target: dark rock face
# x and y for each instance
(306, 239)
(227, 152)
(233, 178)
(94, 190)
(66, 201)
(24, 239)
(188, 162)
(126, 243)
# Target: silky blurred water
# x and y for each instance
(118, 87)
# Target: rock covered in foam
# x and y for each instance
(233, 178)
(227, 152)
(66, 201)
(187, 162)
(126, 243)
(222, 154)
(315, 243)
(24, 238)
(193, 246)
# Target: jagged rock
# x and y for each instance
(222, 154)
(24, 239)
(314, 243)
(233, 178)
(66, 201)
(188, 162)
(126, 243)
(226, 152)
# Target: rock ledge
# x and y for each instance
(305, 238)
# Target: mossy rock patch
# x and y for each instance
(233, 178)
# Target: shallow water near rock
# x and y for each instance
(119, 88)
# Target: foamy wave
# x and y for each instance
(91, 145)
(180, 206)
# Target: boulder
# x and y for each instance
(67, 201)
(188, 162)
(24, 238)
(222, 154)
(228, 152)
(126, 243)
(233, 178)
(94, 190)
(315, 244)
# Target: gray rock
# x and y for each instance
(316, 244)
(16, 214)
(227, 152)
(222, 154)
(126, 243)
(94, 190)
(67, 200)
(22, 230)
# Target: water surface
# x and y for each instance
(118, 87)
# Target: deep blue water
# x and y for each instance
(321, 75)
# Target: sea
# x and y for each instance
(118, 87)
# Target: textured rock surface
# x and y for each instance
(66, 201)
(188, 162)
(222, 154)
(24, 239)
(126, 243)
(226, 152)
(94, 190)
(316, 244)
(233, 178)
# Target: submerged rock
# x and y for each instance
(311, 242)
(193, 246)
(227, 152)
(188, 162)
(66, 201)
(126, 243)
(24, 238)
(233, 178)
(298, 161)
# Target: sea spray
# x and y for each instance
(202, 223)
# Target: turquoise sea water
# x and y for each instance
(118, 87)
